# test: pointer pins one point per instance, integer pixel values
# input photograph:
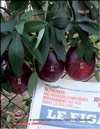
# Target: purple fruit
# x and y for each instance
(20, 85)
(53, 68)
(77, 68)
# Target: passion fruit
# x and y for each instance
(5, 68)
(20, 85)
(77, 68)
(53, 68)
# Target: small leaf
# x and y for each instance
(84, 19)
(97, 75)
(34, 26)
(59, 50)
(16, 55)
(75, 41)
(96, 4)
(27, 15)
(46, 9)
(88, 55)
(5, 26)
(88, 46)
(97, 65)
(32, 39)
(20, 27)
(5, 42)
(76, 5)
(63, 38)
(18, 5)
(36, 5)
(7, 87)
(58, 47)
(93, 11)
(60, 22)
(69, 27)
(8, 119)
(34, 52)
(40, 35)
(58, 34)
(79, 5)
(33, 80)
(85, 39)
(81, 51)
(89, 28)
(44, 47)
(52, 7)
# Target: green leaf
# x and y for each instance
(76, 5)
(33, 80)
(51, 8)
(81, 51)
(60, 22)
(27, 15)
(58, 34)
(88, 46)
(16, 55)
(18, 5)
(28, 102)
(93, 11)
(88, 55)
(34, 26)
(97, 65)
(15, 15)
(44, 47)
(40, 35)
(8, 119)
(32, 39)
(46, 8)
(5, 42)
(85, 39)
(36, 5)
(20, 27)
(84, 19)
(75, 41)
(89, 28)
(69, 27)
(95, 25)
(79, 5)
(34, 52)
(5, 26)
(63, 37)
(96, 4)
(97, 75)
(59, 48)
(7, 87)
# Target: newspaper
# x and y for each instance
(65, 104)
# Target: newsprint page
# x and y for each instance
(65, 104)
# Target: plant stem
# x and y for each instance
(6, 10)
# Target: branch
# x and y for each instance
(6, 10)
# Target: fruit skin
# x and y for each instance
(77, 68)
(5, 67)
(20, 85)
(52, 70)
